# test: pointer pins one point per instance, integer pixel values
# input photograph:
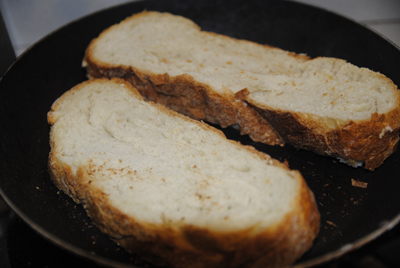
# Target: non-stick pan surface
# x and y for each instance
(350, 216)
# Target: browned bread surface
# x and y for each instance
(172, 189)
(325, 105)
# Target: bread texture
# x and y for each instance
(173, 189)
(325, 105)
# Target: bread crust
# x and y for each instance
(354, 142)
(173, 245)
(367, 142)
(178, 244)
(364, 141)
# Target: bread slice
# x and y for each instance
(324, 104)
(174, 189)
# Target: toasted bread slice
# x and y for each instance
(324, 104)
(173, 189)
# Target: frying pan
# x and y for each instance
(350, 216)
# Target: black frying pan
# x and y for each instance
(350, 216)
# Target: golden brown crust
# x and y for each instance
(365, 141)
(189, 246)
(175, 244)
(354, 142)
(63, 178)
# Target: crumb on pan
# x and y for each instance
(359, 183)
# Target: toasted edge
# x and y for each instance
(280, 245)
(355, 143)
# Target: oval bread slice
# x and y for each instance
(173, 189)
(325, 105)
